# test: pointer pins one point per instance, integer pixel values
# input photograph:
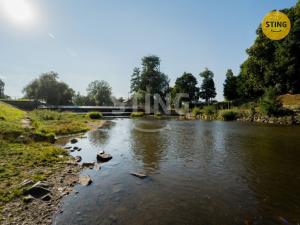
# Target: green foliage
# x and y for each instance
(207, 89)
(99, 93)
(137, 114)
(269, 104)
(187, 83)
(58, 123)
(273, 63)
(95, 115)
(197, 111)
(81, 100)
(49, 89)
(149, 79)
(228, 114)
(230, 86)
(209, 110)
(10, 122)
(46, 115)
(31, 161)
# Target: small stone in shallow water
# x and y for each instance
(85, 180)
(88, 164)
(139, 175)
(103, 157)
(74, 140)
(78, 158)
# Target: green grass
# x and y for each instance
(197, 111)
(58, 123)
(18, 162)
(32, 157)
(10, 122)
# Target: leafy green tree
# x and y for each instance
(150, 79)
(82, 100)
(273, 63)
(100, 93)
(230, 86)
(2, 84)
(187, 83)
(49, 89)
(135, 80)
(207, 89)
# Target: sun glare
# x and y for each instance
(19, 11)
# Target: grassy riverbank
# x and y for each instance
(23, 156)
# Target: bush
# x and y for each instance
(228, 115)
(209, 110)
(269, 105)
(197, 111)
(158, 114)
(137, 114)
(95, 115)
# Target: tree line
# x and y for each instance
(150, 80)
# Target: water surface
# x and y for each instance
(199, 173)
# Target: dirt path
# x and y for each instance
(26, 123)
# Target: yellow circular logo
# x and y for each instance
(276, 25)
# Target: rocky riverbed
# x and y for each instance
(33, 211)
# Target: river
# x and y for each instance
(199, 172)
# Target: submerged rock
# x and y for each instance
(75, 148)
(74, 140)
(88, 165)
(103, 157)
(139, 175)
(85, 180)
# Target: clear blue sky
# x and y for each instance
(85, 40)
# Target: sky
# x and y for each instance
(87, 40)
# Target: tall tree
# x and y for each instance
(207, 89)
(230, 86)
(2, 84)
(187, 83)
(135, 80)
(49, 89)
(100, 92)
(149, 79)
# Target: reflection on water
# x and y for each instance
(199, 173)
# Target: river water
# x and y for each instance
(199, 172)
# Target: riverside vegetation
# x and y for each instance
(26, 149)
